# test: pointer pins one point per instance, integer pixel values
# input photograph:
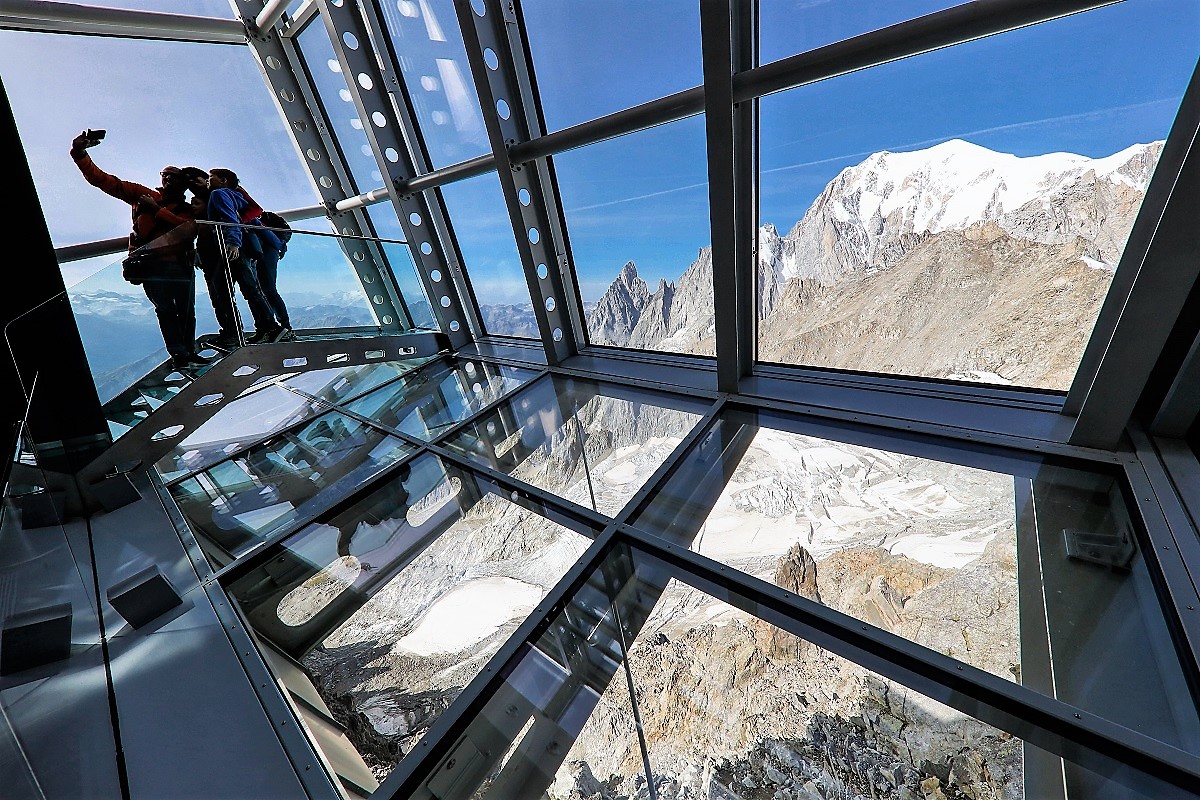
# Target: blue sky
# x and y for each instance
(1090, 84)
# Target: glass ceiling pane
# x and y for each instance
(394, 605)
(489, 252)
(592, 59)
(637, 211)
(433, 61)
(238, 503)
(592, 443)
(789, 27)
(325, 72)
(1038, 568)
(60, 84)
(427, 403)
(969, 228)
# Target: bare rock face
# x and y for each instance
(1006, 308)
(1060, 214)
(617, 313)
(796, 572)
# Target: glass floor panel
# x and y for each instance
(1030, 571)
(238, 503)
(592, 443)
(426, 403)
(394, 605)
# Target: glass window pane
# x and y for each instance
(789, 27)
(240, 502)
(642, 50)
(147, 129)
(1039, 570)
(325, 72)
(426, 403)
(967, 229)
(637, 211)
(592, 443)
(489, 252)
(394, 605)
(429, 45)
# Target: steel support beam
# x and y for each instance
(1148, 297)
(728, 45)
(54, 17)
(512, 111)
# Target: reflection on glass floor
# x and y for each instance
(594, 444)
(268, 407)
(1034, 575)
(689, 696)
(397, 603)
(236, 504)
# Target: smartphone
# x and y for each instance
(95, 136)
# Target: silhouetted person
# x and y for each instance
(163, 230)
(228, 205)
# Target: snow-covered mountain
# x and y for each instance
(890, 208)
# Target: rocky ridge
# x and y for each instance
(1051, 218)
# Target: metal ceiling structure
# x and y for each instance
(1130, 416)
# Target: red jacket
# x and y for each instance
(170, 230)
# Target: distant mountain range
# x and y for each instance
(955, 261)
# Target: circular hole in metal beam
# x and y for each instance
(490, 58)
(350, 39)
(502, 109)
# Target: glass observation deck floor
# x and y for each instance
(1031, 574)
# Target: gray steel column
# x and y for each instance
(504, 80)
(727, 29)
(372, 94)
(1149, 291)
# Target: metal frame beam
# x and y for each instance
(55, 17)
(1157, 271)
(500, 65)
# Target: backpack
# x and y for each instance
(272, 220)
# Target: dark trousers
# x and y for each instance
(173, 295)
(267, 266)
(220, 290)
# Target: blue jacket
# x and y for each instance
(227, 205)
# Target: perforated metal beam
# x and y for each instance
(377, 97)
(501, 67)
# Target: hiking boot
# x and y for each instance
(225, 341)
(265, 335)
(285, 334)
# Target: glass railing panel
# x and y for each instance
(317, 283)
(592, 443)
(643, 50)
(426, 403)
(1033, 572)
(959, 214)
(394, 605)
(119, 330)
(238, 503)
(637, 208)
